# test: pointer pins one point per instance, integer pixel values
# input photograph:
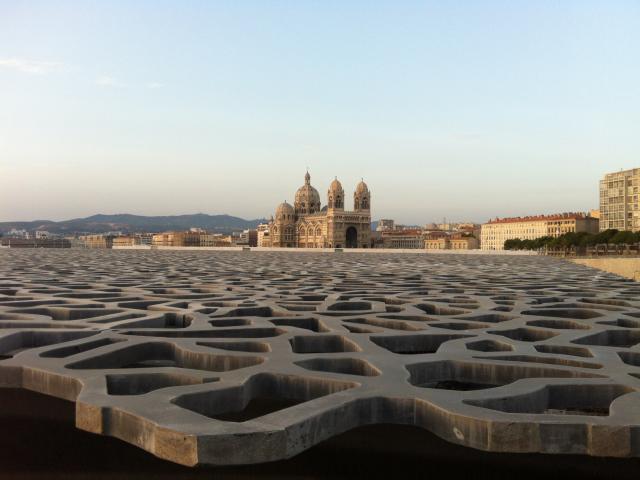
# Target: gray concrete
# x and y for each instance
(245, 357)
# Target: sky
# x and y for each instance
(462, 110)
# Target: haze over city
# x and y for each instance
(157, 108)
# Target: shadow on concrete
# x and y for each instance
(38, 440)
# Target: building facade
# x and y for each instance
(96, 241)
(403, 239)
(385, 224)
(264, 240)
(494, 233)
(307, 224)
(619, 200)
(452, 242)
(176, 239)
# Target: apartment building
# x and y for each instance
(619, 200)
(494, 233)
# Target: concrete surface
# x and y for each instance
(227, 358)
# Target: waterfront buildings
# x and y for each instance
(96, 241)
(403, 239)
(176, 239)
(495, 232)
(619, 200)
(452, 242)
(306, 224)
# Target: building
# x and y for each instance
(127, 241)
(132, 240)
(308, 225)
(214, 240)
(18, 233)
(456, 241)
(619, 200)
(403, 239)
(385, 224)
(35, 242)
(96, 241)
(247, 238)
(494, 233)
(464, 242)
(437, 243)
(176, 239)
(264, 240)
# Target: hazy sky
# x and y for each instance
(467, 110)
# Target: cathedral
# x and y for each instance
(308, 225)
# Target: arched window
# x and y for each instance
(288, 234)
(318, 232)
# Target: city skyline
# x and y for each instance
(160, 109)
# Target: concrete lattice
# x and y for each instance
(244, 357)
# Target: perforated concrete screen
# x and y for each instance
(245, 357)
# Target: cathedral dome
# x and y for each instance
(284, 212)
(362, 187)
(307, 198)
(335, 186)
(335, 195)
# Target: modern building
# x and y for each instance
(308, 225)
(495, 232)
(619, 200)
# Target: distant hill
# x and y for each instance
(135, 223)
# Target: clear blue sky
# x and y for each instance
(467, 110)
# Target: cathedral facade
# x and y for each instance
(307, 224)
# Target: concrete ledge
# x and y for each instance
(338, 250)
(625, 267)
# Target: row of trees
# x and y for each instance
(575, 239)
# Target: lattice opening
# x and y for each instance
(162, 354)
(577, 313)
(323, 344)
(463, 376)
(558, 324)
(525, 334)
(414, 344)
(261, 395)
(587, 400)
(349, 366)
(141, 383)
(312, 324)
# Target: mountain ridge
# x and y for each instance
(129, 223)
